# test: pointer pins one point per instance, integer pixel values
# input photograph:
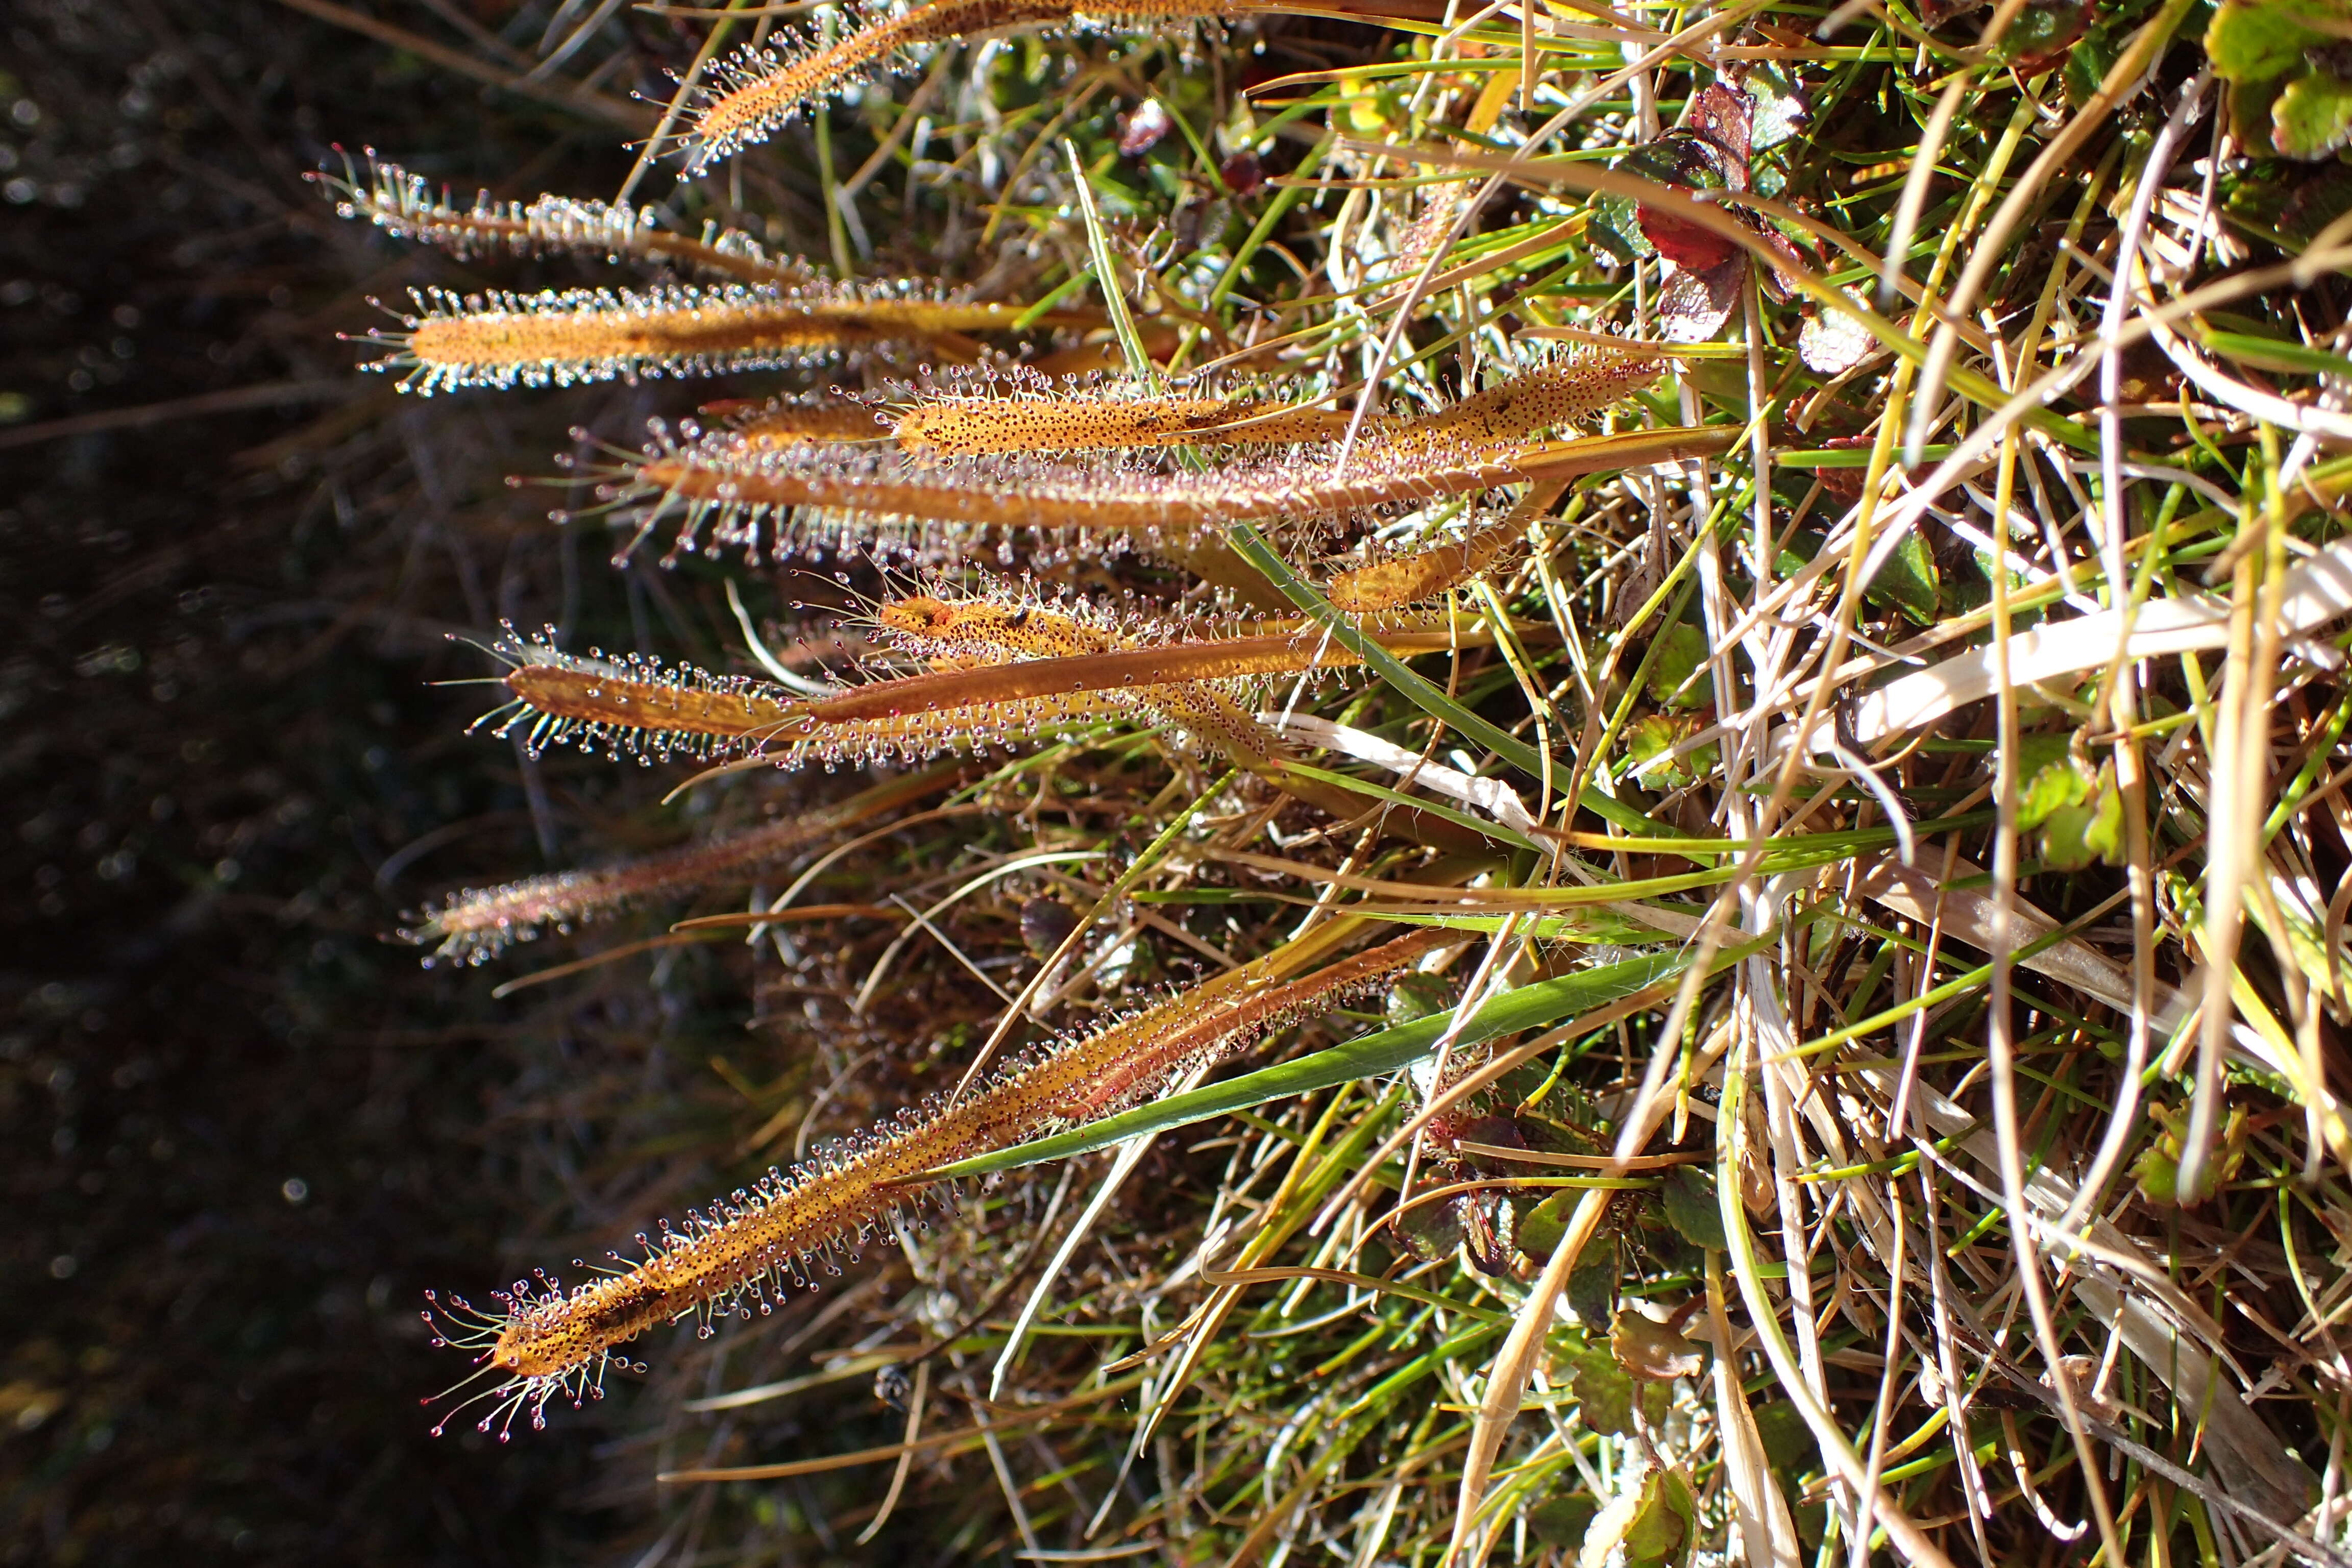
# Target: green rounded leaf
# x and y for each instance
(1674, 675)
(2049, 778)
(1593, 1289)
(1908, 581)
(2092, 829)
(2253, 40)
(1691, 1208)
(1604, 1393)
(1562, 1521)
(1648, 742)
(2313, 116)
(1652, 1519)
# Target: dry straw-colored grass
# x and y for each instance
(1798, 556)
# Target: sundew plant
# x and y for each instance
(1432, 784)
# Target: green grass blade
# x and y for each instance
(1122, 320)
(1529, 1007)
(1252, 547)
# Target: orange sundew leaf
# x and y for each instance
(720, 728)
(1007, 642)
(794, 421)
(761, 89)
(1555, 394)
(405, 205)
(1001, 623)
(1427, 573)
(564, 337)
(685, 702)
(1015, 645)
(972, 426)
(989, 639)
(548, 1339)
(475, 925)
(732, 493)
(653, 711)
(660, 711)
(1016, 412)
(1026, 493)
(1124, 670)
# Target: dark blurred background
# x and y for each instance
(243, 1133)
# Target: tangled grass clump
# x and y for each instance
(1797, 558)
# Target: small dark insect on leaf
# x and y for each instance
(1487, 1234)
(1140, 131)
(892, 1386)
(1433, 1230)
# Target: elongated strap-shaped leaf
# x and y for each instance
(1528, 1007)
